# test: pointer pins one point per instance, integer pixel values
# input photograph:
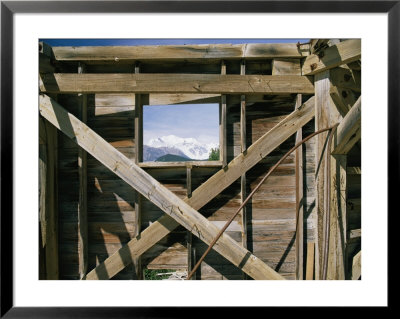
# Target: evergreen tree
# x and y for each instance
(214, 154)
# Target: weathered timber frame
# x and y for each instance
(320, 79)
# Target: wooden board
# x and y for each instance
(179, 52)
(174, 83)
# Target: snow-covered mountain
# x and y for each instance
(190, 147)
(151, 154)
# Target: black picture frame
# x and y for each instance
(9, 8)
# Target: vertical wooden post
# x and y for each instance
(48, 212)
(310, 261)
(222, 124)
(243, 146)
(191, 249)
(82, 204)
(140, 100)
(299, 201)
(327, 114)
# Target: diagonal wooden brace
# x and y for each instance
(207, 191)
(153, 190)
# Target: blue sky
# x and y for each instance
(200, 121)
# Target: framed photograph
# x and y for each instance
(178, 95)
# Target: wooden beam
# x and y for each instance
(243, 147)
(174, 83)
(178, 98)
(153, 190)
(310, 261)
(299, 200)
(82, 203)
(336, 55)
(326, 115)
(343, 98)
(356, 268)
(286, 67)
(208, 190)
(180, 164)
(48, 213)
(138, 127)
(349, 130)
(222, 124)
(179, 52)
(191, 250)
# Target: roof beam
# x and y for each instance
(341, 53)
(208, 190)
(174, 83)
(179, 52)
(155, 192)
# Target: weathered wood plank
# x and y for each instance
(178, 98)
(153, 190)
(222, 125)
(180, 164)
(286, 67)
(322, 106)
(179, 52)
(243, 148)
(299, 200)
(330, 252)
(349, 130)
(336, 55)
(310, 261)
(343, 98)
(174, 83)
(82, 202)
(48, 213)
(209, 190)
(191, 249)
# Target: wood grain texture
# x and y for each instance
(48, 212)
(153, 190)
(299, 200)
(349, 130)
(174, 83)
(336, 55)
(209, 189)
(286, 67)
(178, 52)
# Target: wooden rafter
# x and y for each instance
(122, 54)
(208, 190)
(174, 83)
(153, 190)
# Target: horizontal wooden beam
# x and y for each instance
(341, 53)
(180, 164)
(349, 130)
(178, 98)
(179, 52)
(154, 191)
(174, 83)
(208, 190)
